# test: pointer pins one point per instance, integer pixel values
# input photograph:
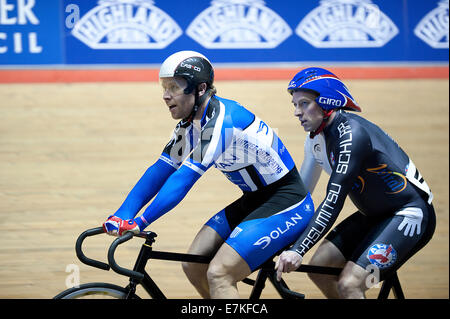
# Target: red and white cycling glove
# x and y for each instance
(117, 226)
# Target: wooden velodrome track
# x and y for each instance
(69, 153)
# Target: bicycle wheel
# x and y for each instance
(94, 290)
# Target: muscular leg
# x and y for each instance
(352, 282)
(327, 254)
(225, 270)
(206, 243)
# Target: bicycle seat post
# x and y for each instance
(150, 238)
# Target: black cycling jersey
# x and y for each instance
(368, 166)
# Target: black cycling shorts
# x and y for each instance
(385, 243)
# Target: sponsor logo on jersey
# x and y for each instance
(395, 181)
(358, 184)
(382, 255)
(346, 24)
(126, 24)
(238, 24)
(317, 153)
(332, 159)
(254, 153)
(316, 148)
(433, 28)
(263, 127)
(321, 219)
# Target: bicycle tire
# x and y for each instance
(95, 290)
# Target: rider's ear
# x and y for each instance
(201, 89)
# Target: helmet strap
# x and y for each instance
(191, 116)
(197, 103)
(326, 117)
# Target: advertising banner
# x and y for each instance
(85, 32)
(31, 32)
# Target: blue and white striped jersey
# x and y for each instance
(229, 137)
(235, 141)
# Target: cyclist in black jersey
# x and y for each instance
(395, 216)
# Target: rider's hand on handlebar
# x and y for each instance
(288, 261)
(117, 227)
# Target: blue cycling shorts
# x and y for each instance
(262, 223)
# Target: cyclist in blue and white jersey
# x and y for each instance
(395, 216)
(213, 131)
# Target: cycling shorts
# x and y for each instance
(385, 243)
(262, 223)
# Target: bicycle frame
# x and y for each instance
(266, 272)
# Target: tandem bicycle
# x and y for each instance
(139, 276)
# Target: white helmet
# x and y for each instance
(191, 65)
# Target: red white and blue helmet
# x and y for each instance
(333, 94)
